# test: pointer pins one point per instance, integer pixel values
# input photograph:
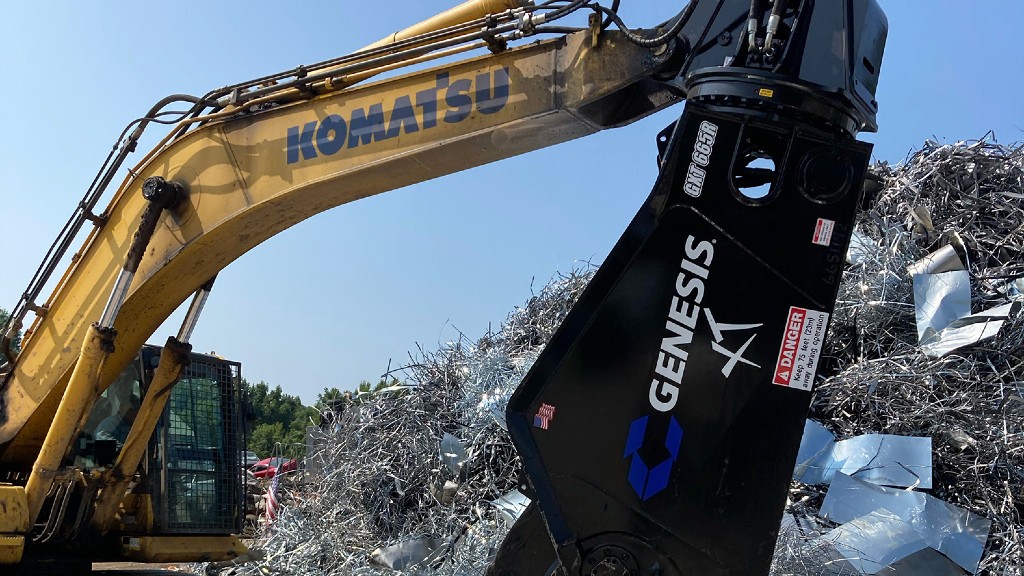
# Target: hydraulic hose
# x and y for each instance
(681, 19)
(773, 24)
(82, 213)
(753, 22)
(608, 21)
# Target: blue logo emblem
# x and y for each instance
(448, 101)
(646, 480)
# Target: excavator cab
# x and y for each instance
(110, 420)
(196, 450)
(191, 479)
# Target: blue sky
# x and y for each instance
(333, 300)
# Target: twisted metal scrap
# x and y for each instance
(385, 483)
(971, 402)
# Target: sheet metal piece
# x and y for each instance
(944, 259)
(876, 540)
(406, 554)
(511, 506)
(453, 453)
(815, 450)
(942, 292)
(940, 299)
(970, 329)
(942, 305)
(882, 543)
(957, 533)
(883, 459)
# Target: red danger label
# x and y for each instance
(823, 232)
(800, 349)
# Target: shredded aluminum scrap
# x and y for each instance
(421, 474)
(970, 401)
(421, 479)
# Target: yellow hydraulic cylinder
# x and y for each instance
(465, 12)
(173, 360)
(77, 401)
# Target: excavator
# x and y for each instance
(659, 427)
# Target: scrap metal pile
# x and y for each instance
(421, 480)
(894, 375)
(413, 477)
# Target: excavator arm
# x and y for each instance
(252, 173)
(657, 427)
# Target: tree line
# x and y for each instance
(278, 417)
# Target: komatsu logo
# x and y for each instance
(449, 101)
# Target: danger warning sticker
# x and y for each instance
(801, 346)
(823, 232)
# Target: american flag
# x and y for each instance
(272, 503)
(544, 416)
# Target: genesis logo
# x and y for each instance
(649, 480)
(676, 352)
(667, 377)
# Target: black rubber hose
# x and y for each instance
(565, 10)
(681, 19)
(99, 184)
(754, 14)
(608, 21)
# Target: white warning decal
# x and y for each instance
(823, 232)
(801, 346)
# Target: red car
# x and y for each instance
(268, 467)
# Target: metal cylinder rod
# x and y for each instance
(174, 358)
(470, 10)
(117, 296)
(195, 309)
(161, 194)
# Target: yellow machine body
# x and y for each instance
(250, 173)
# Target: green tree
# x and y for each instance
(278, 418)
(366, 386)
(16, 344)
(329, 394)
(264, 436)
(281, 418)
